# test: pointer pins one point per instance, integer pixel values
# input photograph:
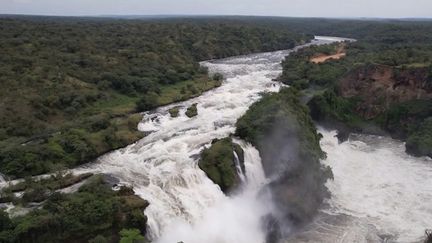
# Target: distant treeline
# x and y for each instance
(66, 83)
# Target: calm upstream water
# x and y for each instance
(377, 190)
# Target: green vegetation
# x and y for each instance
(405, 118)
(39, 190)
(68, 147)
(281, 128)
(69, 87)
(174, 112)
(185, 90)
(328, 107)
(420, 141)
(375, 88)
(131, 236)
(218, 162)
(95, 213)
(299, 72)
(282, 111)
(192, 111)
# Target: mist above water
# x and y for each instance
(232, 219)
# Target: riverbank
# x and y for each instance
(178, 191)
(71, 217)
(379, 193)
(280, 127)
(365, 93)
(67, 100)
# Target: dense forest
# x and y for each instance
(72, 89)
(95, 213)
(382, 84)
(70, 86)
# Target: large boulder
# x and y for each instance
(280, 127)
(219, 163)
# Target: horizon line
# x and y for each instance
(210, 15)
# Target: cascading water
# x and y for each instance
(374, 179)
(379, 193)
(239, 170)
(230, 219)
(162, 167)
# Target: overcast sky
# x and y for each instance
(295, 8)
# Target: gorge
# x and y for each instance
(370, 199)
(162, 166)
(186, 206)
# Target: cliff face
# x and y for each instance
(218, 162)
(378, 87)
(280, 127)
(381, 99)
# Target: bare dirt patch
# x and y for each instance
(320, 58)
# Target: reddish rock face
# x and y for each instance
(379, 86)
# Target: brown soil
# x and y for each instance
(320, 58)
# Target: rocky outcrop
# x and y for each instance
(219, 162)
(379, 86)
(280, 127)
(192, 111)
(420, 142)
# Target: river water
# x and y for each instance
(377, 189)
(379, 185)
(184, 204)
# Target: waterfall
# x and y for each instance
(238, 167)
(377, 181)
(162, 167)
(379, 193)
(231, 219)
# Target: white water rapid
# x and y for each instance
(379, 193)
(184, 204)
(377, 182)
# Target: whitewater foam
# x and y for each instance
(376, 181)
(162, 167)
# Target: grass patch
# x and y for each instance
(185, 90)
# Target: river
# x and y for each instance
(162, 167)
(377, 188)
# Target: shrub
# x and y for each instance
(192, 111)
(420, 142)
(99, 239)
(174, 112)
(148, 102)
(131, 236)
(219, 165)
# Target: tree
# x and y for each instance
(98, 239)
(131, 236)
(148, 102)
